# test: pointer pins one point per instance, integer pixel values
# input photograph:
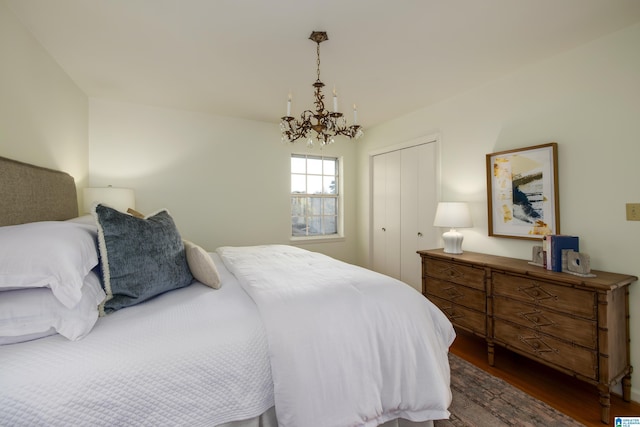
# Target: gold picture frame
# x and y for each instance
(522, 192)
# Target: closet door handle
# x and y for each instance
(384, 229)
(419, 234)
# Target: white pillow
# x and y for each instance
(87, 219)
(27, 314)
(53, 254)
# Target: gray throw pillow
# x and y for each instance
(140, 257)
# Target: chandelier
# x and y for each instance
(326, 124)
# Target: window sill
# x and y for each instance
(315, 239)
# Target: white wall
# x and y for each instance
(588, 101)
(43, 114)
(225, 181)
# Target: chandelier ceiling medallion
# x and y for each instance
(326, 124)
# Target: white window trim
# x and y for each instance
(301, 240)
(340, 236)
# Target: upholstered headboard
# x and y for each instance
(31, 193)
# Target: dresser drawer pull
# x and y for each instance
(451, 312)
(536, 318)
(453, 292)
(452, 272)
(537, 293)
(537, 344)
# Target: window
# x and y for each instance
(314, 196)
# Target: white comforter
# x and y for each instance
(348, 346)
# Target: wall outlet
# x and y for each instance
(633, 211)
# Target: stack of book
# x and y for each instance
(552, 247)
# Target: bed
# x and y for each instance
(282, 336)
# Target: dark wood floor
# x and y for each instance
(575, 398)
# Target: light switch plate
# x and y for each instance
(633, 211)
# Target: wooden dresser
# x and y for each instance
(577, 325)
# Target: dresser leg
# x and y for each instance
(490, 351)
(605, 403)
(626, 388)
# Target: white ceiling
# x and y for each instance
(241, 58)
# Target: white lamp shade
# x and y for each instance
(117, 198)
(453, 215)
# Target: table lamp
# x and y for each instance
(453, 215)
(117, 198)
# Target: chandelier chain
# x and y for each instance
(318, 60)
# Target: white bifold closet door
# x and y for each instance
(386, 213)
(404, 204)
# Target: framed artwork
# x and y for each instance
(522, 192)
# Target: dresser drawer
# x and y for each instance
(456, 273)
(578, 302)
(461, 316)
(560, 353)
(578, 331)
(468, 297)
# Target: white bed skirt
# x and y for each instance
(268, 419)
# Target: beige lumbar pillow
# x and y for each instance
(201, 265)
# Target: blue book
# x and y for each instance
(558, 243)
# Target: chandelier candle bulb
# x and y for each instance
(355, 115)
(289, 106)
(335, 100)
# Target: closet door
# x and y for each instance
(386, 213)
(417, 209)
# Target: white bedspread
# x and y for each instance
(191, 357)
(348, 346)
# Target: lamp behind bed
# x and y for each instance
(117, 198)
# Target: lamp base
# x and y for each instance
(452, 242)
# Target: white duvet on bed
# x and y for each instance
(348, 346)
(194, 356)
